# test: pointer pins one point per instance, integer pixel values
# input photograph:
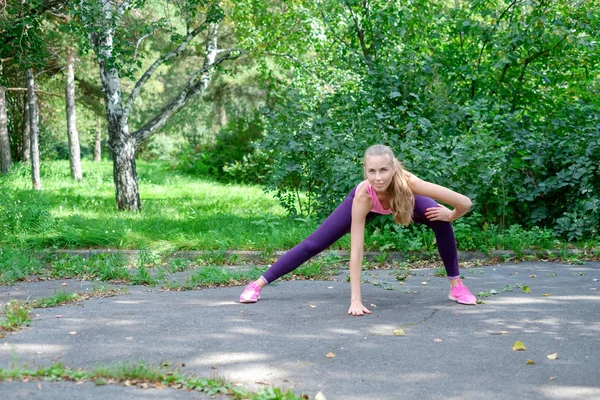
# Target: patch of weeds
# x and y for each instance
(318, 268)
(578, 273)
(551, 274)
(143, 277)
(62, 297)
(389, 287)
(144, 376)
(102, 267)
(16, 265)
(148, 259)
(474, 271)
(179, 264)
(507, 288)
(574, 260)
(17, 314)
(441, 271)
(218, 276)
(218, 257)
(484, 294)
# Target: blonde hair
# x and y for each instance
(402, 200)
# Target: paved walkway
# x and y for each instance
(450, 351)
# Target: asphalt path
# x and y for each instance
(299, 336)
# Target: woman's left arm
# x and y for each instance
(460, 202)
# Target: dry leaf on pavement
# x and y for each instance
(330, 355)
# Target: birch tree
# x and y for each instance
(74, 150)
(34, 129)
(5, 159)
(101, 18)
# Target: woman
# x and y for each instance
(387, 189)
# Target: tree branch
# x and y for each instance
(193, 88)
(161, 60)
(360, 32)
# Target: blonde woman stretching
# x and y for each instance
(387, 189)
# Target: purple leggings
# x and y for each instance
(338, 224)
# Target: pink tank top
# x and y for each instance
(377, 207)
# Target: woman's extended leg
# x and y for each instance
(332, 229)
(446, 243)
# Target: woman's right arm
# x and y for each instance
(361, 206)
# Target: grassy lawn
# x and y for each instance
(179, 212)
(183, 212)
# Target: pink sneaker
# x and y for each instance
(461, 294)
(251, 294)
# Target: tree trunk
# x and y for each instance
(74, 150)
(5, 160)
(122, 145)
(26, 129)
(222, 115)
(33, 121)
(98, 144)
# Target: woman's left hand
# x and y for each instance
(439, 213)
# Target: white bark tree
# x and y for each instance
(26, 131)
(73, 135)
(5, 158)
(101, 18)
(34, 129)
(98, 142)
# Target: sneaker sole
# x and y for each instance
(249, 301)
(462, 302)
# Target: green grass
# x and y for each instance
(179, 212)
(17, 314)
(183, 212)
(145, 376)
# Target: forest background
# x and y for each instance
(495, 99)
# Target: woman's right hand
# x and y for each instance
(357, 309)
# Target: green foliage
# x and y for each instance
(18, 315)
(479, 100)
(100, 267)
(17, 264)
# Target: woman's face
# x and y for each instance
(379, 171)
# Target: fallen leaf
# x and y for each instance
(129, 338)
(399, 332)
(438, 340)
(127, 383)
(423, 283)
(533, 276)
(100, 382)
(329, 287)
(526, 289)
(330, 355)
(39, 386)
(58, 316)
(158, 385)
(65, 284)
(546, 294)
(373, 305)
(262, 383)
(530, 362)
(552, 356)
(73, 333)
(214, 367)
(320, 396)
(311, 306)
(519, 346)
(493, 291)
(552, 378)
